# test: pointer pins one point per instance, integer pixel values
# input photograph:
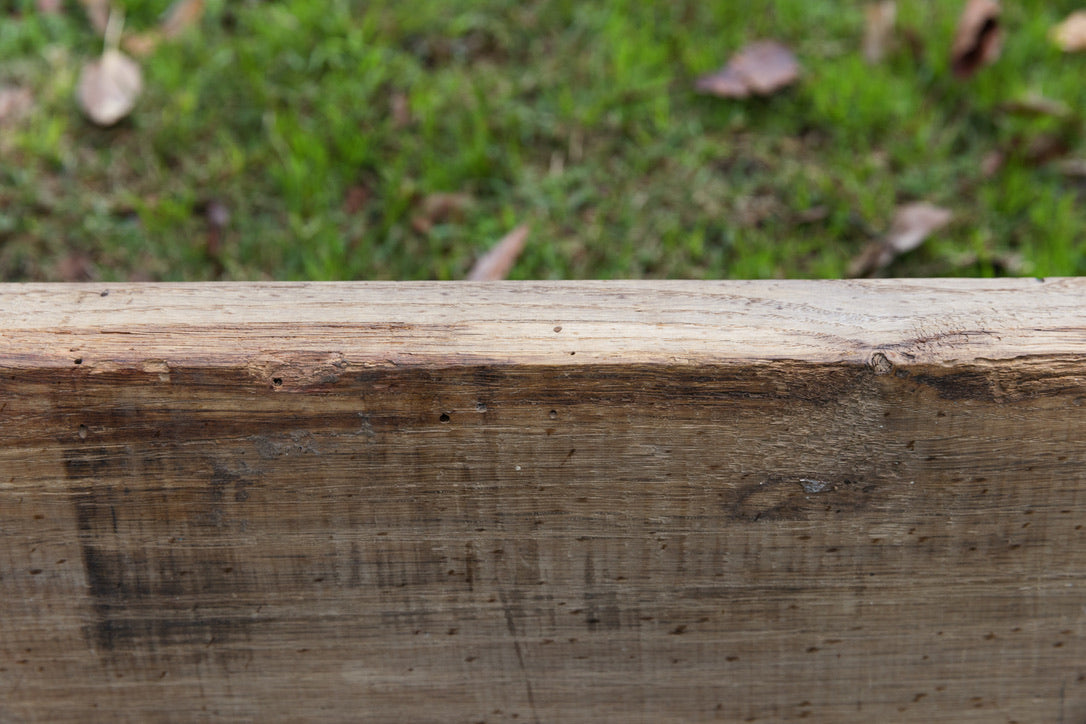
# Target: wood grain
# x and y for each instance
(544, 502)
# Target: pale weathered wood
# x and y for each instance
(544, 502)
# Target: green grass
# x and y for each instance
(577, 118)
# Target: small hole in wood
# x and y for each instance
(82, 432)
(78, 360)
(277, 381)
(444, 417)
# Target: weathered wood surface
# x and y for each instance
(547, 502)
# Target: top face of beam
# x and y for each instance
(943, 321)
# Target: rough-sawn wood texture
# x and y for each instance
(547, 502)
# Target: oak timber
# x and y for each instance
(544, 502)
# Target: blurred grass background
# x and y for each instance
(307, 140)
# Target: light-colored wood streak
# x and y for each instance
(544, 502)
(930, 321)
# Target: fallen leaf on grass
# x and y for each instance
(1046, 147)
(75, 267)
(355, 199)
(182, 15)
(1005, 264)
(142, 44)
(217, 216)
(14, 103)
(878, 29)
(1070, 35)
(498, 262)
(98, 13)
(438, 208)
(979, 38)
(760, 68)
(913, 223)
(1033, 104)
(400, 109)
(812, 215)
(991, 163)
(1074, 167)
(109, 87)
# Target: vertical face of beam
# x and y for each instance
(309, 532)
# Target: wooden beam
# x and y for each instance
(543, 502)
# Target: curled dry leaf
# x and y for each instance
(142, 44)
(400, 110)
(98, 13)
(355, 199)
(913, 223)
(109, 87)
(1046, 147)
(498, 262)
(1074, 168)
(1070, 35)
(75, 267)
(217, 216)
(979, 38)
(991, 163)
(1033, 104)
(878, 29)
(760, 68)
(438, 208)
(182, 14)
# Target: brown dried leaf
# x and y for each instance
(725, 83)
(142, 44)
(1070, 35)
(979, 38)
(217, 213)
(1046, 147)
(75, 267)
(878, 29)
(913, 223)
(991, 163)
(217, 216)
(760, 68)
(355, 199)
(14, 103)
(1033, 104)
(109, 87)
(98, 13)
(498, 262)
(1074, 168)
(181, 15)
(438, 208)
(400, 108)
(444, 206)
(813, 215)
